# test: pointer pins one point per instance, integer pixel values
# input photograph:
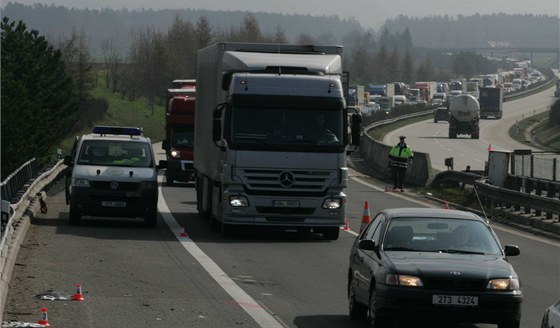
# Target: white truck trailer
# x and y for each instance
(464, 116)
(261, 156)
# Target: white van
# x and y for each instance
(439, 98)
(112, 172)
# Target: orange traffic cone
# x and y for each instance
(346, 227)
(44, 319)
(78, 296)
(489, 147)
(366, 217)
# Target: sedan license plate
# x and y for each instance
(285, 203)
(455, 300)
(113, 204)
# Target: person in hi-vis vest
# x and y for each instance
(400, 156)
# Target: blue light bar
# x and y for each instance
(118, 130)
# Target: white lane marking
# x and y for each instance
(392, 193)
(494, 226)
(525, 235)
(257, 311)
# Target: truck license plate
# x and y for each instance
(285, 203)
(455, 300)
(113, 204)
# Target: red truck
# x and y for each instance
(179, 131)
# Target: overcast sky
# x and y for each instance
(370, 13)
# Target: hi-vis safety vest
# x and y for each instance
(399, 156)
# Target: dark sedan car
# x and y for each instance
(432, 264)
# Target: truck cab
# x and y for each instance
(179, 131)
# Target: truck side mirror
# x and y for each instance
(216, 129)
(165, 144)
(356, 127)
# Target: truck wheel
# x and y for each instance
(214, 223)
(330, 233)
(150, 220)
(75, 216)
(169, 180)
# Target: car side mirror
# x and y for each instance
(67, 160)
(511, 250)
(367, 245)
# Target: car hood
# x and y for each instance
(117, 173)
(424, 264)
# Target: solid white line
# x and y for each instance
(367, 184)
(246, 302)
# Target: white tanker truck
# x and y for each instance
(464, 112)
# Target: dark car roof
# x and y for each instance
(431, 212)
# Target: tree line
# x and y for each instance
(46, 83)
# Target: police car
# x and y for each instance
(112, 172)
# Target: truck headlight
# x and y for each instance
(174, 154)
(238, 201)
(332, 203)
(77, 182)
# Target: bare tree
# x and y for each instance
(78, 64)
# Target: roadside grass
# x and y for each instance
(546, 134)
(116, 111)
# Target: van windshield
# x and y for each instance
(115, 153)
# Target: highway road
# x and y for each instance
(429, 137)
(184, 274)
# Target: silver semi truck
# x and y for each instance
(272, 132)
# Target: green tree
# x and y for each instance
(37, 96)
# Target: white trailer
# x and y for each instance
(258, 157)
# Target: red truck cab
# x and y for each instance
(179, 131)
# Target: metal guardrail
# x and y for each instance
(15, 182)
(31, 183)
(527, 202)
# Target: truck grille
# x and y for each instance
(285, 180)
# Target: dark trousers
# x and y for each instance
(398, 174)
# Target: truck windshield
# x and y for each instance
(183, 137)
(115, 153)
(291, 129)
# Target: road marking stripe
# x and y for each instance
(261, 316)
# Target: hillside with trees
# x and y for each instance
(48, 70)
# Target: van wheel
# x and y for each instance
(150, 220)
(75, 216)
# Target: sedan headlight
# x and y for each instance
(503, 284)
(76, 182)
(238, 201)
(332, 203)
(403, 280)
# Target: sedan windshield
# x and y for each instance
(440, 235)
